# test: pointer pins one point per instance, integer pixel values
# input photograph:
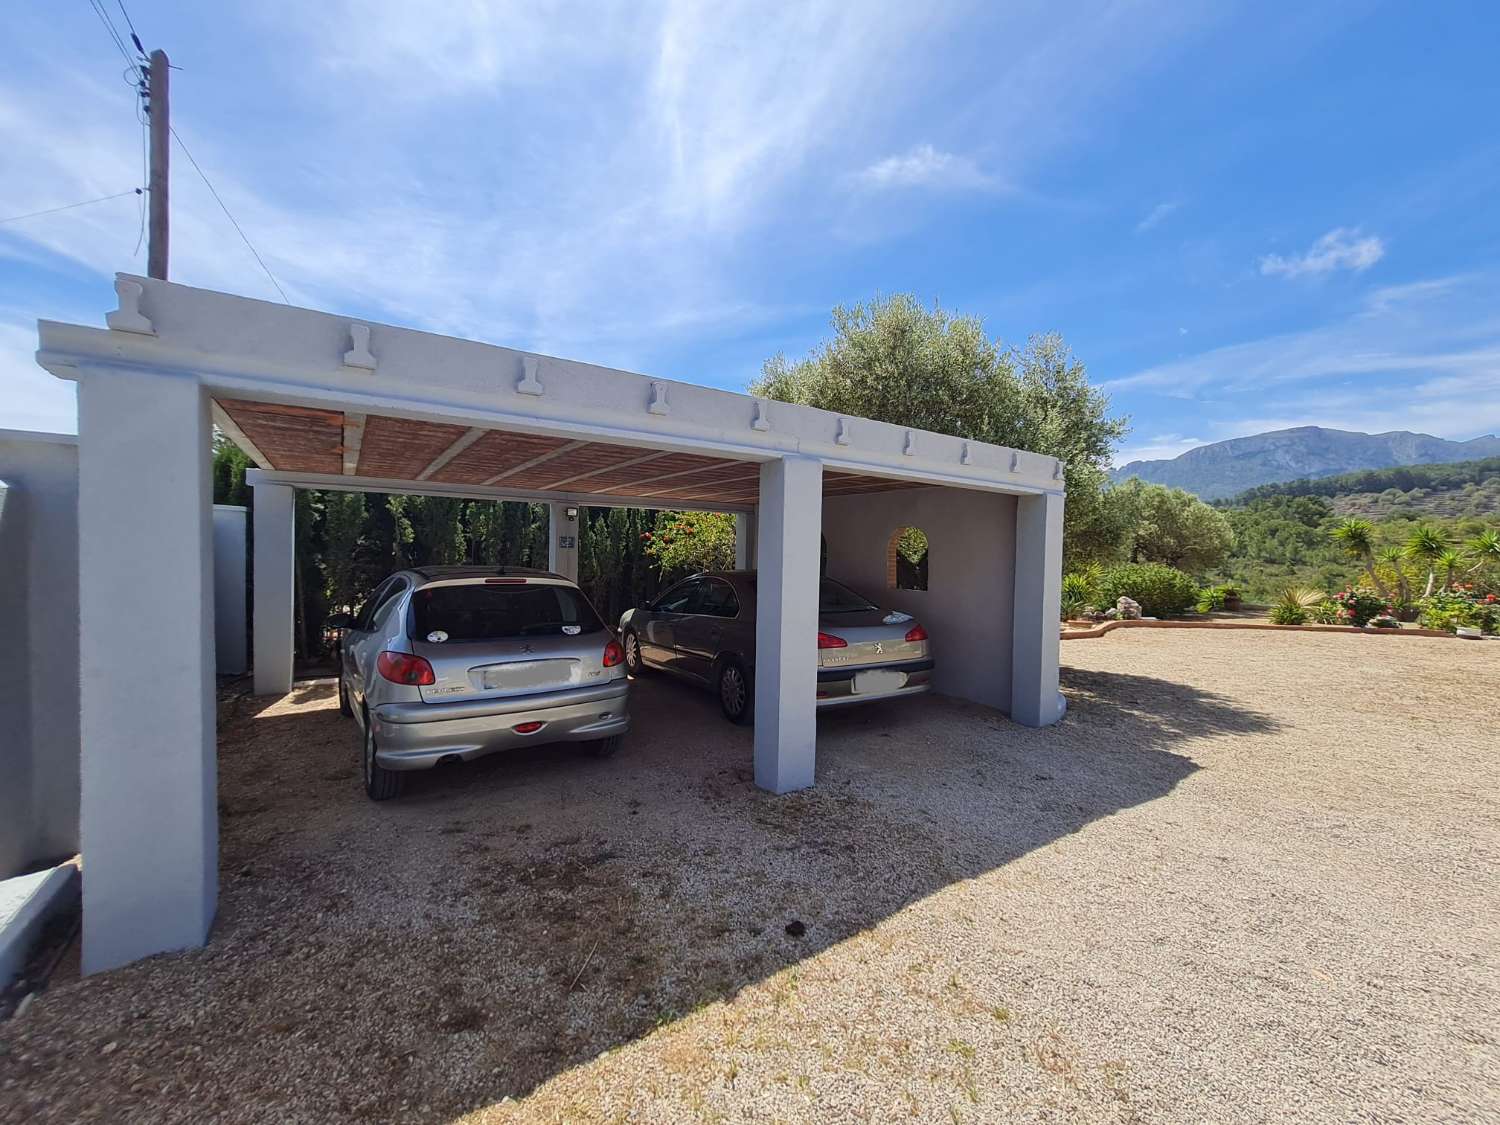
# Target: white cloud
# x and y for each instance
(1155, 216)
(925, 166)
(1343, 248)
(1160, 447)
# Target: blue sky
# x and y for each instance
(1241, 216)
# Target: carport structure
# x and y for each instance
(323, 401)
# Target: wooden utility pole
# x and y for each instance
(159, 106)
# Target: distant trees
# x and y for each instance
(895, 360)
(1168, 525)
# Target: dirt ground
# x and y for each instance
(1250, 877)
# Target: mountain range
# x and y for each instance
(1224, 468)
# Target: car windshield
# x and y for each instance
(478, 611)
(834, 598)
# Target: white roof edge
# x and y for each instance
(241, 346)
(39, 436)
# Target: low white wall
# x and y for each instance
(967, 607)
(39, 656)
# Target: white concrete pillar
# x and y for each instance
(274, 563)
(562, 540)
(786, 625)
(1034, 698)
(744, 540)
(146, 691)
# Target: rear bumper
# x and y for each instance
(416, 736)
(836, 685)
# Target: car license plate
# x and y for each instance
(877, 680)
(522, 674)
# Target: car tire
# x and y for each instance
(635, 662)
(736, 692)
(344, 707)
(604, 747)
(381, 784)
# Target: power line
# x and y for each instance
(109, 27)
(227, 214)
(130, 23)
(70, 206)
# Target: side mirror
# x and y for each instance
(339, 621)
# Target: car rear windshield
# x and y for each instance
(487, 612)
(833, 598)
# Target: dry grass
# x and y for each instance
(1249, 878)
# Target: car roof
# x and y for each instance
(449, 573)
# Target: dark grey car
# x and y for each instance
(703, 629)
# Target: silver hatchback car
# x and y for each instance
(446, 664)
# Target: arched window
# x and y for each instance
(906, 559)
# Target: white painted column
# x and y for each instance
(146, 691)
(562, 541)
(786, 625)
(274, 563)
(744, 540)
(1034, 698)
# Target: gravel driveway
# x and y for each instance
(1250, 877)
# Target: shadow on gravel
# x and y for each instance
(507, 920)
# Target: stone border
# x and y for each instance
(1108, 626)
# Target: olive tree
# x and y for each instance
(895, 360)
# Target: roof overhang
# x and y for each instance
(328, 401)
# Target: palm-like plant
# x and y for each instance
(1295, 605)
(1392, 559)
(1449, 563)
(1484, 549)
(1426, 544)
(1357, 538)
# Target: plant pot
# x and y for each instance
(1234, 605)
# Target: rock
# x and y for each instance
(795, 928)
(1128, 608)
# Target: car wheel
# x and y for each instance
(344, 708)
(635, 663)
(604, 747)
(736, 696)
(381, 784)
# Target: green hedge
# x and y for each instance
(1163, 591)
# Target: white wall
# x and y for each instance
(967, 607)
(39, 650)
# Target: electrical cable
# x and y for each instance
(227, 214)
(70, 206)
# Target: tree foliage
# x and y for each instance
(693, 541)
(1168, 525)
(894, 360)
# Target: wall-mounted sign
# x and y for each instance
(567, 542)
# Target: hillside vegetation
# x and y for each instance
(1284, 532)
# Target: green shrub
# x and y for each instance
(1358, 606)
(1326, 612)
(1448, 609)
(1213, 598)
(1296, 605)
(1163, 591)
(1077, 593)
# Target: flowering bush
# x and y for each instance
(692, 541)
(1448, 609)
(1357, 606)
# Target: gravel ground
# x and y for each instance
(1250, 877)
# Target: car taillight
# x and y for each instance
(828, 640)
(916, 633)
(613, 654)
(404, 668)
(528, 728)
